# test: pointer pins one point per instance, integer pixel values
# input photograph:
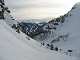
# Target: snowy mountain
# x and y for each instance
(56, 23)
(67, 33)
(15, 45)
(71, 27)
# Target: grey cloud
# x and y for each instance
(19, 4)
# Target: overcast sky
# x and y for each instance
(39, 8)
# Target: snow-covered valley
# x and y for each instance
(61, 43)
(14, 47)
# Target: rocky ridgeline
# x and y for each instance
(3, 8)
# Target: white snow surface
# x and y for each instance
(71, 26)
(14, 46)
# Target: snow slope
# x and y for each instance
(71, 26)
(13, 48)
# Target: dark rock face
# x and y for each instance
(1, 15)
(1, 9)
(2, 2)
